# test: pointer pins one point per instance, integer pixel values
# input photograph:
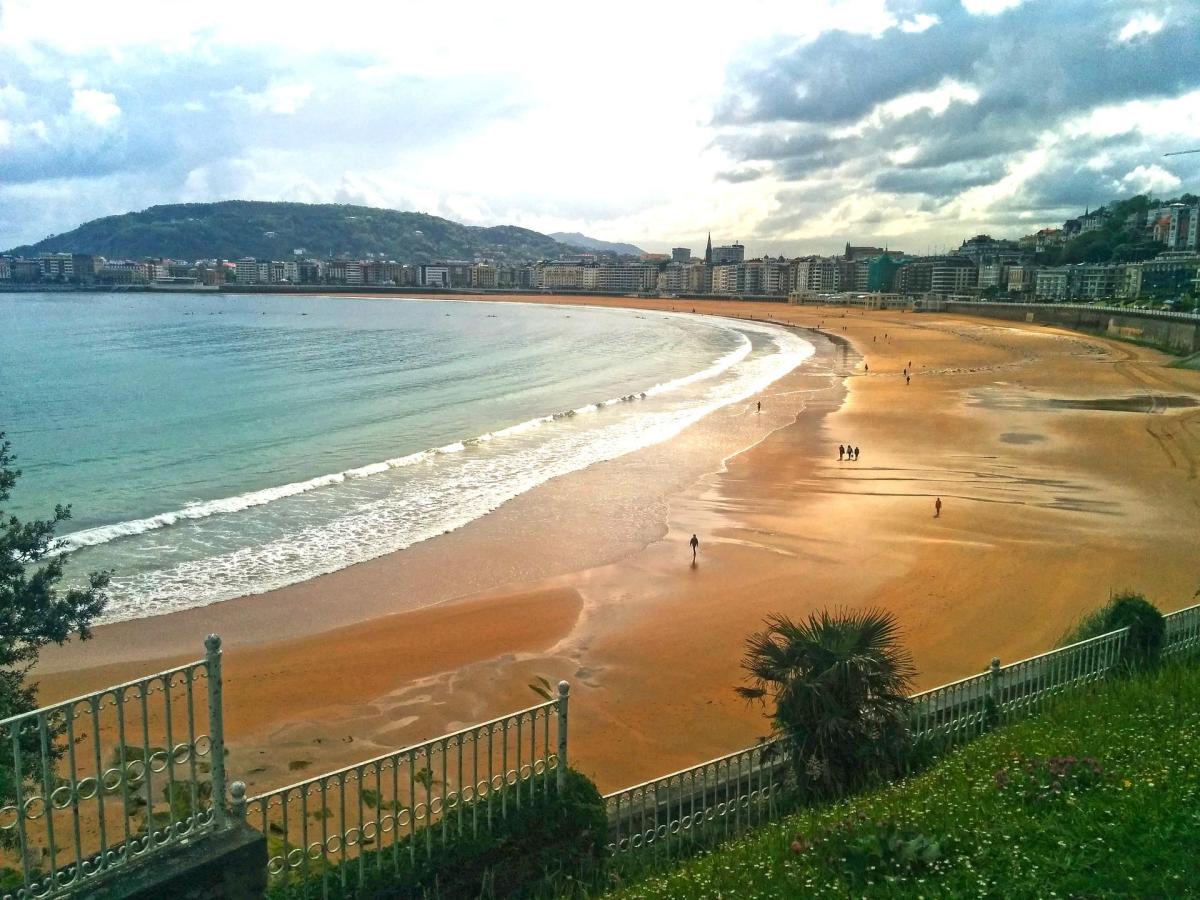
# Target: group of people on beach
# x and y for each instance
(845, 451)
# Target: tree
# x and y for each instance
(34, 611)
(838, 687)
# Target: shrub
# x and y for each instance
(839, 686)
(863, 852)
(1147, 629)
(551, 839)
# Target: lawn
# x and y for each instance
(1099, 796)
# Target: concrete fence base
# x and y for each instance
(230, 864)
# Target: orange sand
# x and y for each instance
(1045, 512)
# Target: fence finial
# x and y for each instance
(237, 801)
(212, 643)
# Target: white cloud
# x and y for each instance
(5, 132)
(1142, 24)
(98, 106)
(918, 23)
(989, 7)
(1146, 179)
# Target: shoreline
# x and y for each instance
(1043, 512)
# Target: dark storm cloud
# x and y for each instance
(819, 108)
(941, 182)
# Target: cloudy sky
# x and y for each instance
(793, 126)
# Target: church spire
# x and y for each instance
(708, 251)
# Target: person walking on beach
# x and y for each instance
(760, 406)
(907, 379)
(841, 452)
(856, 454)
(937, 508)
(695, 544)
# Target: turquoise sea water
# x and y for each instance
(216, 446)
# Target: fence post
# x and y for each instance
(216, 728)
(994, 691)
(560, 770)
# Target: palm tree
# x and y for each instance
(838, 684)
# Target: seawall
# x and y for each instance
(1174, 335)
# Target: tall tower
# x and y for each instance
(708, 251)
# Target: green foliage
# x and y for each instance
(551, 845)
(1147, 630)
(238, 228)
(865, 852)
(34, 612)
(838, 687)
(1051, 779)
(1119, 832)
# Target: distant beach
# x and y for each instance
(1047, 507)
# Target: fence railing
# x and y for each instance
(719, 797)
(411, 800)
(742, 787)
(94, 783)
(1183, 632)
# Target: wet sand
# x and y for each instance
(1051, 501)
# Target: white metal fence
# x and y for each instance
(332, 830)
(723, 795)
(94, 783)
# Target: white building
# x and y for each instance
(630, 279)
(724, 279)
(435, 276)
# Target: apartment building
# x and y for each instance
(724, 279)
(729, 254)
(1096, 282)
(568, 277)
(1167, 276)
(56, 267)
(672, 279)
(627, 279)
(952, 276)
(483, 276)
(1182, 226)
(1052, 283)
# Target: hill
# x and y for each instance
(575, 239)
(236, 228)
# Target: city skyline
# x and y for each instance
(902, 124)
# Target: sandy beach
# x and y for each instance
(1047, 508)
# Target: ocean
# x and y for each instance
(219, 446)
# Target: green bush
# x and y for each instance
(836, 687)
(553, 843)
(1147, 629)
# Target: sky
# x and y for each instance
(792, 127)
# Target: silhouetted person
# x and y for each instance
(937, 508)
(907, 379)
(841, 452)
(695, 544)
(856, 454)
(760, 406)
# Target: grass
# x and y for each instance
(1097, 797)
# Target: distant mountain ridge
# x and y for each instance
(575, 239)
(232, 229)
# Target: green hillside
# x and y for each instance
(238, 228)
